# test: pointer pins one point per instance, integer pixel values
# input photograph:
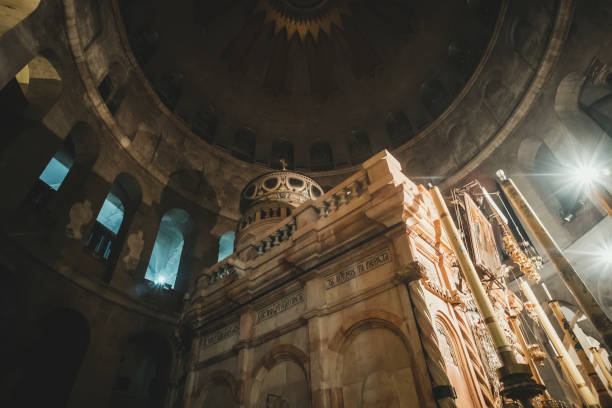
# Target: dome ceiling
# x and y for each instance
(322, 84)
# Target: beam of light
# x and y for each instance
(160, 280)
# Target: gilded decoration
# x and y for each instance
(304, 16)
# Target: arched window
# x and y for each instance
(57, 169)
(166, 256)
(226, 245)
(107, 226)
(52, 176)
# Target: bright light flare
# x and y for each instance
(606, 255)
(586, 174)
(160, 280)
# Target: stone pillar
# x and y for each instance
(323, 396)
(133, 260)
(191, 382)
(418, 319)
(248, 319)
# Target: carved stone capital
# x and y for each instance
(410, 272)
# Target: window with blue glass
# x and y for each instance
(168, 248)
(107, 225)
(51, 178)
(55, 172)
(226, 245)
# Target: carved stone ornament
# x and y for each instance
(410, 272)
(135, 244)
(80, 214)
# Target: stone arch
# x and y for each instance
(205, 122)
(399, 128)
(581, 138)
(461, 378)
(435, 97)
(244, 144)
(321, 156)
(280, 354)
(359, 146)
(527, 152)
(218, 378)
(113, 86)
(113, 220)
(377, 378)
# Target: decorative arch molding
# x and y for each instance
(461, 355)
(527, 151)
(357, 324)
(279, 354)
(217, 377)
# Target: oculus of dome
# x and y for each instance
(285, 186)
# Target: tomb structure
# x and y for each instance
(343, 299)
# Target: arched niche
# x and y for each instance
(113, 86)
(52, 361)
(359, 146)
(456, 363)
(398, 128)
(165, 260)
(219, 390)
(143, 373)
(367, 379)
(281, 379)
(321, 156)
(14, 12)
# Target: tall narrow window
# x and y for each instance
(166, 256)
(107, 226)
(226, 245)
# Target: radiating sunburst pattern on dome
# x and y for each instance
(304, 16)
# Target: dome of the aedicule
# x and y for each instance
(305, 203)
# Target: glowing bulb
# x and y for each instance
(160, 280)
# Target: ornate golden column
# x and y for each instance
(515, 324)
(576, 286)
(564, 358)
(516, 378)
(602, 365)
(604, 397)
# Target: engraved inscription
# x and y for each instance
(280, 306)
(365, 265)
(221, 334)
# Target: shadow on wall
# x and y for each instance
(143, 374)
(46, 369)
(13, 12)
